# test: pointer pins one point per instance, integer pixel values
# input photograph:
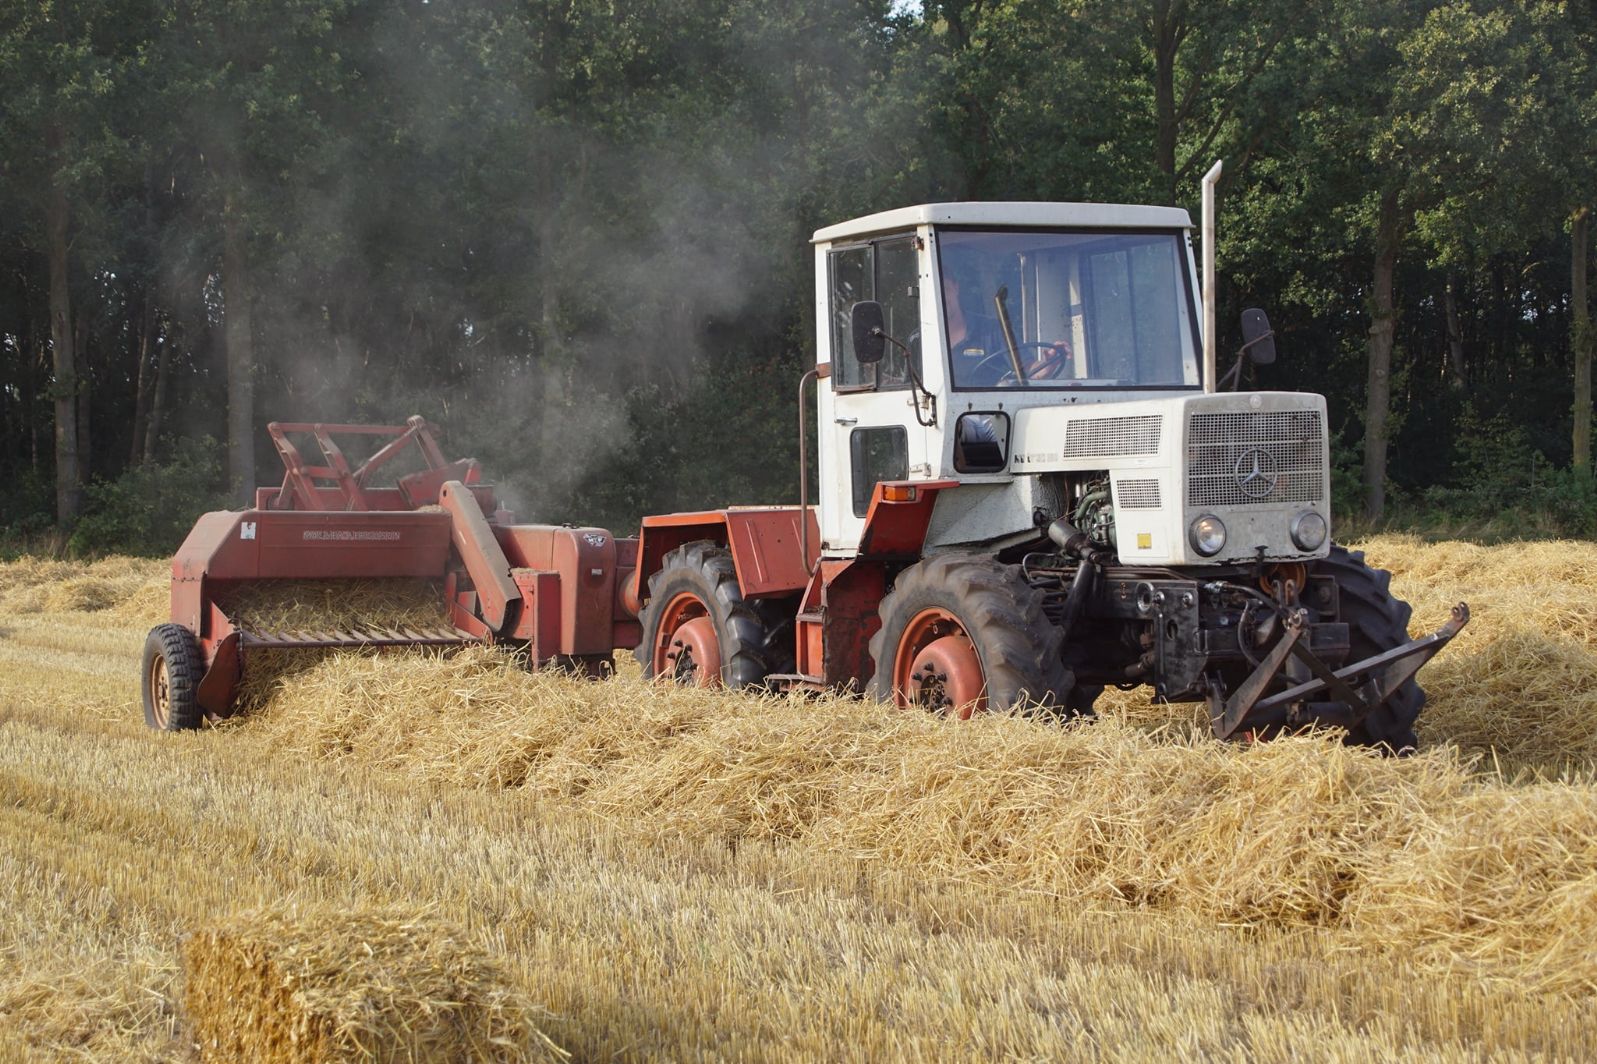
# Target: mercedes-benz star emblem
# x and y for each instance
(1256, 473)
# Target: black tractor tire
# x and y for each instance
(170, 679)
(1002, 615)
(777, 618)
(1083, 700)
(744, 632)
(1377, 621)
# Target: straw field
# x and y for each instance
(614, 870)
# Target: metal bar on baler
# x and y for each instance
(384, 453)
(485, 560)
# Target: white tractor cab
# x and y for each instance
(1095, 511)
(1024, 339)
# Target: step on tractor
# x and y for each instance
(1033, 485)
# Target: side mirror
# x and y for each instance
(1258, 339)
(870, 337)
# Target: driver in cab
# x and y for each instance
(981, 355)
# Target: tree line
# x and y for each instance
(576, 233)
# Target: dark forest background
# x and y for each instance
(575, 233)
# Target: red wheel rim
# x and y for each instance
(936, 667)
(160, 691)
(686, 649)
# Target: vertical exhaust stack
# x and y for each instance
(1210, 179)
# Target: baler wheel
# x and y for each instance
(697, 628)
(172, 671)
(1377, 621)
(964, 633)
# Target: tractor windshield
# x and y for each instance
(1062, 309)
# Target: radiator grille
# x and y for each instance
(1095, 436)
(1255, 459)
(1137, 494)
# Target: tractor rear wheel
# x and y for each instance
(962, 634)
(1377, 621)
(697, 628)
(172, 670)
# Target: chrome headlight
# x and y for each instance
(1207, 535)
(1309, 530)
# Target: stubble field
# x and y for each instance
(661, 874)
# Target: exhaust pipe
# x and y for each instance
(1210, 179)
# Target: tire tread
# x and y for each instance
(747, 655)
(1377, 621)
(185, 667)
(1021, 652)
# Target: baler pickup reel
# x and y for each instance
(1317, 693)
(352, 636)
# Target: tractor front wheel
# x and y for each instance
(697, 629)
(172, 670)
(1377, 621)
(962, 634)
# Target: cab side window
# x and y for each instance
(887, 271)
(875, 455)
(852, 279)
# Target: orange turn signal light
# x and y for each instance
(898, 493)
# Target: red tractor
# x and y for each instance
(1030, 488)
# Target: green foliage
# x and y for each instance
(732, 441)
(149, 509)
(1347, 483)
(1502, 488)
(27, 506)
(564, 230)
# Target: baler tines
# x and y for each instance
(553, 591)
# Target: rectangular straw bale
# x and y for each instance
(325, 984)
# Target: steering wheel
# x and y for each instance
(1047, 367)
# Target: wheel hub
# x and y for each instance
(937, 667)
(692, 654)
(160, 691)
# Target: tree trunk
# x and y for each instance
(239, 337)
(1582, 339)
(1382, 327)
(85, 385)
(1165, 45)
(68, 492)
(152, 428)
(144, 381)
(1455, 336)
(41, 374)
(30, 398)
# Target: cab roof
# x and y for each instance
(1029, 215)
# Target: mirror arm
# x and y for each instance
(1234, 374)
(1255, 341)
(909, 364)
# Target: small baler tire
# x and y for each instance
(706, 570)
(1019, 648)
(1377, 621)
(174, 648)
